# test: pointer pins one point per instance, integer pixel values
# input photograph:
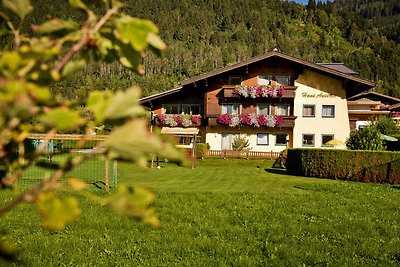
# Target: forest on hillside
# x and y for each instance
(202, 35)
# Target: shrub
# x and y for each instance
(351, 165)
(368, 138)
(240, 143)
(387, 126)
(201, 149)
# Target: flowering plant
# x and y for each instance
(252, 119)
(255, 91)
(183, 120)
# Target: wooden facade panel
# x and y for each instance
(211, 100)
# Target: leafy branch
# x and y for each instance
(27, 106)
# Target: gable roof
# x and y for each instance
(366, 93)
(272, 54)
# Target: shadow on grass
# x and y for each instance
(276, 170)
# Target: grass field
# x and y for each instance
(224, 212)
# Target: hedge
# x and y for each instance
(201, 149)
(350, 165)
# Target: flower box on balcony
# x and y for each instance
(259, 91)
(178, 120)
(282, 122)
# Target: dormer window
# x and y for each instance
(235, 80)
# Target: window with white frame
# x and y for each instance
(262, 139)
(308, 110)
(191, 109)
(281, 139)
(262, 109)
(308, 140)
(231, 108)
(283, 80)
(325, 138)
(171, 109)
(282, 109)
(328, 111)
(235, 80)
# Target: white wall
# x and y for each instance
(338, 125)
(214, 138)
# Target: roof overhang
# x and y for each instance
(148, 99)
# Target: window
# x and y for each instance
(227, 140)
(283, 80)
(282, 109)
(184, 140)
(308, 110)
(328, 111)
(326, 138)
(235, 80)
(262, 139)
(171, 109)
(262, 109)
(231, 109)
(308, 140)
(264, 80)
(191, 109)
(281, 139)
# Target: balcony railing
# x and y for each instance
(287, 122)
(290, 91)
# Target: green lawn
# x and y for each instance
(224, 212)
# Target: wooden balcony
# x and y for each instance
(288, 121)
(290, 91)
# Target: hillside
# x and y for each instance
(205, 34)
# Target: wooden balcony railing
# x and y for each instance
(290, 91)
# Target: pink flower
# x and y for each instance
(161, 119)
(259, 91)
(262, 120)
(278, 120)
(245, 119)
(280, 91)
(195, 119)
(225, 119)
(178, 119)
